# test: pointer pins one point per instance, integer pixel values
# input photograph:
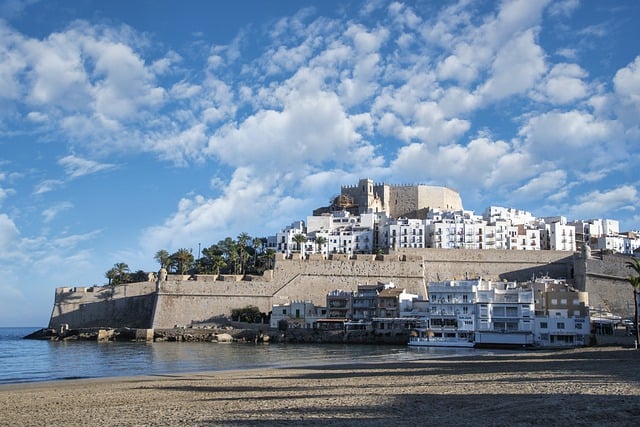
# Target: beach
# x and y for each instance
(590, 386)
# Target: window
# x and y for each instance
(560, 325)
(563, 301)
(578, 325)
(554, 301)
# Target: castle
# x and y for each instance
(408, 201)
(417, 252)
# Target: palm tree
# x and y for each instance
(257, 243)
(243, 239)
(635, 283)
(320, 241)
(300, 239)
(163, 258)
(111, 274)
(183, 259)
(122, 270)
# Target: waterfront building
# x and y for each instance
(450, 314)
(296, 314)
(339, 304)
(562, 314)
(504, 314)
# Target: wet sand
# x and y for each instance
(591, 386)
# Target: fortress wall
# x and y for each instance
(186, 309)
(192, 301)
(605, 279)
(492, 264)
(403, 199)
(312, 280)
(129, 304)
(183, 302)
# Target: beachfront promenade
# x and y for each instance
(588, 386)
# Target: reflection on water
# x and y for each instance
(29, 360)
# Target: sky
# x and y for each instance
(128, 127)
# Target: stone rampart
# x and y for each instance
(182, 302)
(604, 277)
(129, 304)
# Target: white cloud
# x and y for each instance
(244, 198)
(627, 91)
(563, 8)
(76, 166)
(50, 213)
(472, 166)
(311, 128)
(564, 84)
(516, 68)
(47, 185)
(575, 138)
(546, 184)
(9, 238)
(605, 203)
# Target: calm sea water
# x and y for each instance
(32, 360)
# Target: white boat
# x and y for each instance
(439, 342)
(454, 339)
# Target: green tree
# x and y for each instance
(243, 240)
(249, 314)
(122, 270)
(321, 241)
(182, 260)
(230, 254)
(163, 258)
(139, 276)
(111, 275)
(635, 283)
(299, 239)
(257, 244)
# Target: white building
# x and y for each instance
(451, 307)
(562, 314)
(558, 236)
(504, 314)
(513, 216)
(297, 314)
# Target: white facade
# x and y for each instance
(451, 305)
(297, 314)
(406, 233)
(513, 216)
(558, 237)
(504, 314)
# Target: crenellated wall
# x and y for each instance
(179, 301)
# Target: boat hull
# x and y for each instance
(426, 342)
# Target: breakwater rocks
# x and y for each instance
(224, 334)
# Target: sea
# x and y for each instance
(23, 360)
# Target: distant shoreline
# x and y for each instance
(569, 387)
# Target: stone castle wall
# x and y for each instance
(129, 304)
(182, 302)
(604, 277)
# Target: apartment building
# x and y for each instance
(504, 314)
(562, 314)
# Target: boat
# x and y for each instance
(429, 338)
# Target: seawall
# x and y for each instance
(182, 300)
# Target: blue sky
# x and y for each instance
(128, 127)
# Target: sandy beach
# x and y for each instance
(592, 386)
